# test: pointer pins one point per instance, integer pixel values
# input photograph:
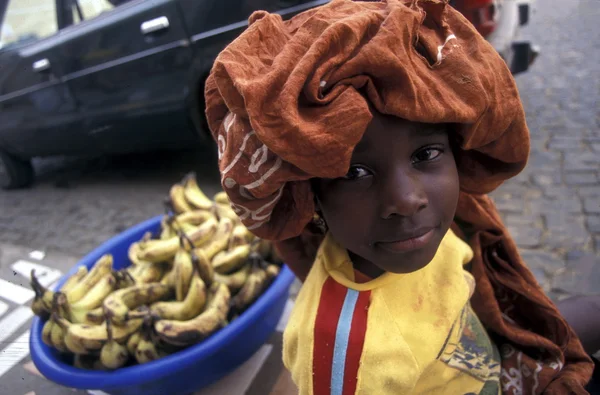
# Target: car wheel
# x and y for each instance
(14, 172)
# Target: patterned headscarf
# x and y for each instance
(288, 101)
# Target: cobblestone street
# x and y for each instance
(552, 208)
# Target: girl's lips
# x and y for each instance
(407, 245)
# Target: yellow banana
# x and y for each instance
(169, 279)
(203, 265)
(97, 293)
(240, 236)
(184, 333)
(221, 198)
(119, 303)
(236, 280)
(230, 261)
(148, 272)
(133, 342)
(225, 211)
(133, 252)
(38, 308)
(272, 271)
(74, 279)
(89, 339)
(194, 194)
(196, 217)
(188, 308)
(255, 284)
(112, 354)
(220, 239)
(46, 333)
(183, 270)
(57, 333)
(163, 250)
(178, 201)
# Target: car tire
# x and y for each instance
(14, 172)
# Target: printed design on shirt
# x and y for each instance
(470, 350)
(339, 336)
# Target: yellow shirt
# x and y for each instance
(396, 334)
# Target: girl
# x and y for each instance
(363, 137)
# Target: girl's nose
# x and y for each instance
(403, 194)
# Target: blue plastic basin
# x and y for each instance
(183, 372)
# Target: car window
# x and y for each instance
(89, 9)
(28, 20)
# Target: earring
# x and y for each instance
(319, 223)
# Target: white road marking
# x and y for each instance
(14, 353)
(97, 392)
(46, 275)
(15, 293)
(3, 308)
(37, 255)
(13, 321)
(285, 317)
(238, 381)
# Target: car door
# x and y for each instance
(38, 115)
(126, 62)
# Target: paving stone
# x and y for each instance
(587, 178)
(569, 205)
(523, 219)
(564, 145)
(588, 191)
(593, 223)
(591, 205)
(582, 276)
(509, 205)
(546, 179)
(526, 236)
(542, 278)
(566, 232)
(549, 262)
(595, 147)
(597, 244)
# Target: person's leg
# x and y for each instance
(583, 314)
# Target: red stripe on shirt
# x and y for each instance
(328, 314)
(356, 341)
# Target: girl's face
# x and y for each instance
(398, 199)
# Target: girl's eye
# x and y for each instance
(356, 172)
(426, 155)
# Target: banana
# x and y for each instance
(234, 281)
(147, 272)
(194, 194)
(94, 317)
(89, 339)
(183, 268)
(230, 261)
(132, 254)
(46, 333)
(169, 279)
(57, 333)
(225, 211)
(133, 342)
(272, 271)
(220, 239)
(87, 362)
(118, 304)
(240, 236)
(96, 294)
(163, 250)
(264, 248)
(112, 354)
(38, 308)
(203, 265)
(255, 284)
(187, 309)
(102, 267)
(222, 198)
(178, 201)
(74, 279)
(196, 217)
(184, 333)
(146, 350)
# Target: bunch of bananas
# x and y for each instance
(197, 274)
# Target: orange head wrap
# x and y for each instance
(289, 100)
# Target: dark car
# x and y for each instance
(116, 76)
